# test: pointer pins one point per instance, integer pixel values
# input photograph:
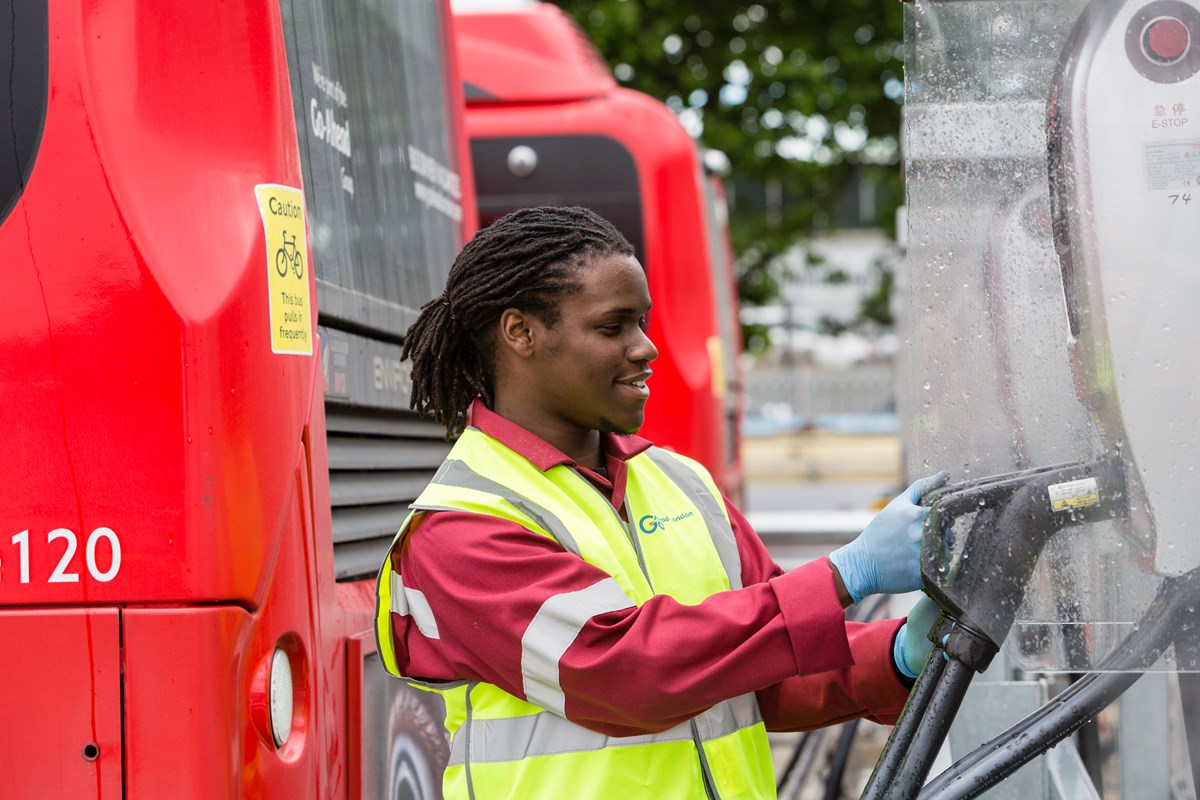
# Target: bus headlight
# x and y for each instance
(280, 697)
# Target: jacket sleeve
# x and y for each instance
(870, 687)
(504, 605)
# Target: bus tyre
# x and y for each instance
(417, 750)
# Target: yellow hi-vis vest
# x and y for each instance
(678, 542)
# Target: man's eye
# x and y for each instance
(644, 323)
(611, 329)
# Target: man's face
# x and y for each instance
(593, 363)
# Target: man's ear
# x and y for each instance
(517, 332)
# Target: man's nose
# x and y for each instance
(643, 349)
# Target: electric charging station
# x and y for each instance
(1052, 154)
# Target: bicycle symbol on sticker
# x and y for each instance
(289, 256)
(285, 249)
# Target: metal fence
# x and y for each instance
(804, 390)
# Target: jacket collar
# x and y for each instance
(541, 453)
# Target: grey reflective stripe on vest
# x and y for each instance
(494, 741)
(710, 510)
(469, 726)
(454, 472)
(412, 603)
(729, 716)
(554, 629)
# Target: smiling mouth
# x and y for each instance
(637, 382)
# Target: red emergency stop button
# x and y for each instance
(1165, 40)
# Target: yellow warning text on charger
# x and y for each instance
(282, 210)
(1074, 494)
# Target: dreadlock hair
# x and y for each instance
(526, 260)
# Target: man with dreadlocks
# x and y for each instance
(599, 620)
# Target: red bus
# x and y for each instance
(215, 227)
(549, 125)
(202, 471)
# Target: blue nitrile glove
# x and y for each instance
(886, 556)
(912, 640)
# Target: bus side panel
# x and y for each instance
(187, 129)
(89, 349)
(202, 674)
(147, 407)
(155, 432)
(184, 689)
(64, 741)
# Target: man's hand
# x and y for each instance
(912, 640)
(886, 556)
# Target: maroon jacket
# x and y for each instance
(649, 667)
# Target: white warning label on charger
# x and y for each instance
(1074, 494)
(1171, 165)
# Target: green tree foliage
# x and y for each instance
(803, 97)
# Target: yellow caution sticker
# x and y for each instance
(1074, 494)
(284, 223)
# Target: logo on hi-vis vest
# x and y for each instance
(652, 524)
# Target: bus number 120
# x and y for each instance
(60, 574)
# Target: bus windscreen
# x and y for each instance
(381, 176)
